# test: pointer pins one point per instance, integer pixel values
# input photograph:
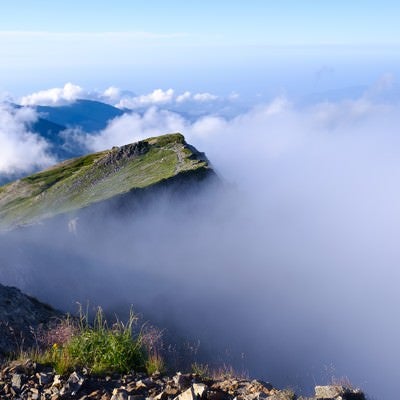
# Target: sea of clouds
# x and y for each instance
(296, 268)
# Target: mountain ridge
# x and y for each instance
(79, 182)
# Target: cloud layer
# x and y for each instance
(114, 96)
(314, 237)
(21, 150)
(55, 96)
(301, 263)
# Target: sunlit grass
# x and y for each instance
(98, 347)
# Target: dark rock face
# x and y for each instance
(126, 152)
(20, 315)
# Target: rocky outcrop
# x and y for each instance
(338, 392)
(28, 380)
(20, 317)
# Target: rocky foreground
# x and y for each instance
(29, 380)
(21, 315)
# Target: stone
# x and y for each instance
(260, 386)
(283, 395)
(145, 383)
(57, 381)
(34, 393)
(329, 392)
(45, 378)
(194, 393)
(161, 396)
(338, 392)
(119, 394)
(73, 385)
(199, 389)
(95, 394)
(183, 381)
(136, 397)
(231, 386)
(16, 381)
(217, 395)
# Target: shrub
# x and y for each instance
(102, 349)
(98, 347)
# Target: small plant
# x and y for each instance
(227, 372)
(155, 364)
(288, 394)
(152, 341)
(202, 370)
(342, 381)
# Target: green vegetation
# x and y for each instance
(202, 370)
(82, 181)
(98, 347)
(51, 176)
(155, 364)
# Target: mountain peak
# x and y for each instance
(80, 182)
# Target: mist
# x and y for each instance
(287, 268)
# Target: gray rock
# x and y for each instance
(338, 392)
(139, 397)
(183, 381)
(194, 393)
(119, 394)
(45, 378)
(283, 395)
(73, 385)
(161, 396)
(34, 393)
(16, 381)
(146, 383)
(218, 395)
(199, 389)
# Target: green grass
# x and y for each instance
(79, 182)
(98, 347)
(50, 177)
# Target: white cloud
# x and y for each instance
(162, 97)
(156, 97)
(55, 96)
(183, 97)
(204, 97)
(111, 94)
(132, 127)
(266, 131)
(114, 96)
(21, 150)
(200, 97)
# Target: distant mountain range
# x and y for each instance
(89, 115)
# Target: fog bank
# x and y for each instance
(290, 271)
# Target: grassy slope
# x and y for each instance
(79, 182)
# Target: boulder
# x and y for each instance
(338, 392)
(73, 385)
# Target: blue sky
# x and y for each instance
(256, 21)
(215, 46)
